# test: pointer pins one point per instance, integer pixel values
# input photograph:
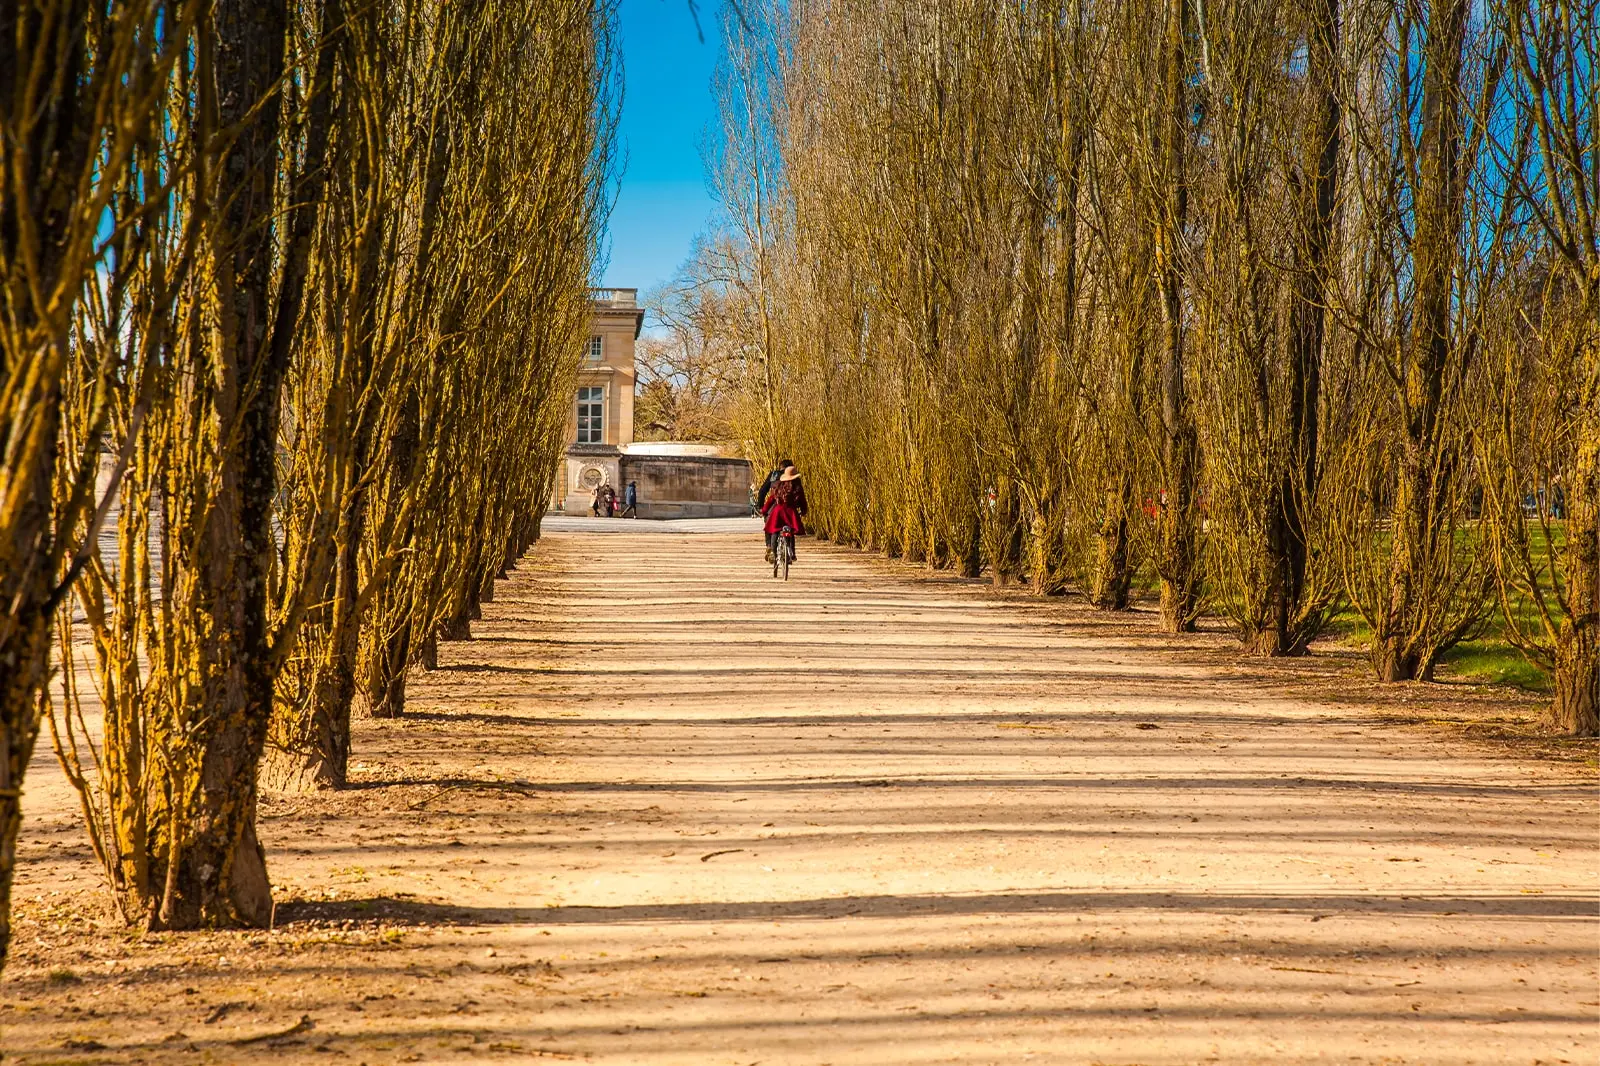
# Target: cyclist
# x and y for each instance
(761, 496)
(785, 506)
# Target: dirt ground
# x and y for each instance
(665, 810)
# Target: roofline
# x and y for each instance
(602, 307)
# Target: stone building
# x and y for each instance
(602, 414)
(675, 480)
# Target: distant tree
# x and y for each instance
(693, 362)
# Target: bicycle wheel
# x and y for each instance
(786, 553)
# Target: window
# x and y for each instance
(591, 414)
(593, 350)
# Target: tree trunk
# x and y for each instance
(1112, 575)
(315, 752)
(212, 871)
(212, 868)
(1178, 548)
(26, 645)
(1576, 709)
(311, 747)
(330, 719)
(1265, 642)
(459, 625)
(1008, 533)
(48, 141)
(1409, 643)
(382, 692)
(1396, 662)
(1049, 555)
(970, 561)
(1296, 491)
(387, 635)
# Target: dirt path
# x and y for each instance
(686, 815)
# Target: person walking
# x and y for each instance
(599, 498)
(785, 505)
(608, 500)
(630, 500)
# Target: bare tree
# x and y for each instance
(1542, 445)
(354, 424)
(80, 94)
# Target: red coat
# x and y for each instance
(785, 506)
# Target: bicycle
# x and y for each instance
(782, 554)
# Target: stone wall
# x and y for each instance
(688, 486)
(586, 466)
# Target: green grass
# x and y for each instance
(1347, 627)
(1488, 659)
(1491, 660)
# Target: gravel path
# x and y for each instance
(663, 809)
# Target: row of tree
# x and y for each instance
(293, 296)
(1293, 303)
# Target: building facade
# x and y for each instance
(674, 480)
(601, 419)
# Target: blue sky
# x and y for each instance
(663, 202)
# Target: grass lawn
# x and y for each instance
(1488, 659)
(1492, 660)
